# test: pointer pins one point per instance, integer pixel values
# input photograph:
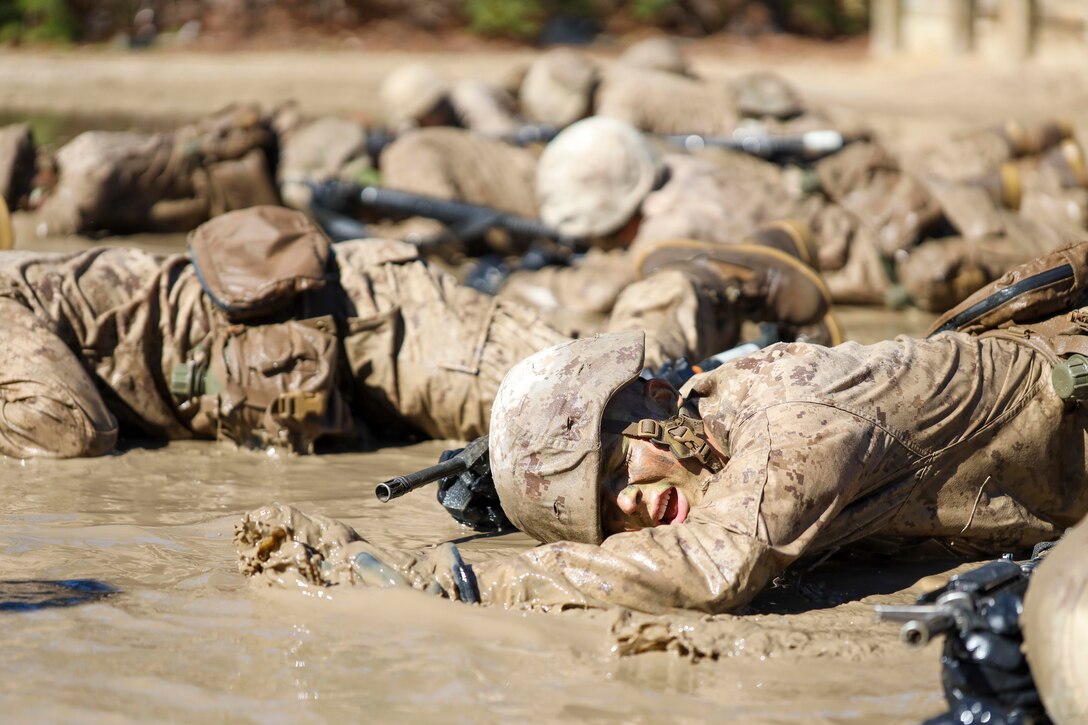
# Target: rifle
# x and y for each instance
(529, 134)
(333, 203)
(465, 486)
(984, 668)
(464, 221)
(377, 139)
(808, 145)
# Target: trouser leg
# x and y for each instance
(591, 286)
(940, 273)
(49, 405)
(679, 318)
(455, 348)
(862, 279)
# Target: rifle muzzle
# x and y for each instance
(919, 632)
(397, 487)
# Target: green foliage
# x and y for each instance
(826, 18)
(37, 21)
(512, 18)
(649, 11)
(524, 19)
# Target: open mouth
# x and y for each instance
(670, 508)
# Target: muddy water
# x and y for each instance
(185, 638)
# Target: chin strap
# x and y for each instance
(681, 434)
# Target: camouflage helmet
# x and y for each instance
(558, 87)
(763, 93)
(594, 175)
(546, 434)
(657, 53)
(410, 92)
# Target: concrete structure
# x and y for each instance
(998, 29)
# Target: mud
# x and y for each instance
(162, 626)
(185, 637)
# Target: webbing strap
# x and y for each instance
(681, 434)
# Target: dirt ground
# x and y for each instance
(183, 638)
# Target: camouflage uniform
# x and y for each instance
(123, 182)
(452, 163)
(101, 332)
(697, 201)
(1001, 217)
(318, 150)
(484, 108)
(121, 336)
(656, 53)
(958, 440)
(413, 92)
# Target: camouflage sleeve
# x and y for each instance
(760, 514)
(691, 566)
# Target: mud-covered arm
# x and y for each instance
(689, 566)
(761, 512)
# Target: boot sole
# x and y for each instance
(804, 249)
(728, 253)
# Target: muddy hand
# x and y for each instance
(441, 572)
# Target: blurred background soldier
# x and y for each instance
(563, 86)
(122, 182)
(264, 336)
(603, 181)
(452, 163)
(978, 207)
(314, 150)
(414, 95)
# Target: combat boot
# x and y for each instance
(1035, 138)
(1004, 185)
(792, 236)
(1068, 163)
(827, 332)
(761, 283)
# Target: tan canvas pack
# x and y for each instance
(267, 385)
(256, 261)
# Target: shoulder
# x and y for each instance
(789, 372)
(358, 254)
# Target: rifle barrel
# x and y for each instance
(918, 632)
(397, 487)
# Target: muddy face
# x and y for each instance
(645, 486)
